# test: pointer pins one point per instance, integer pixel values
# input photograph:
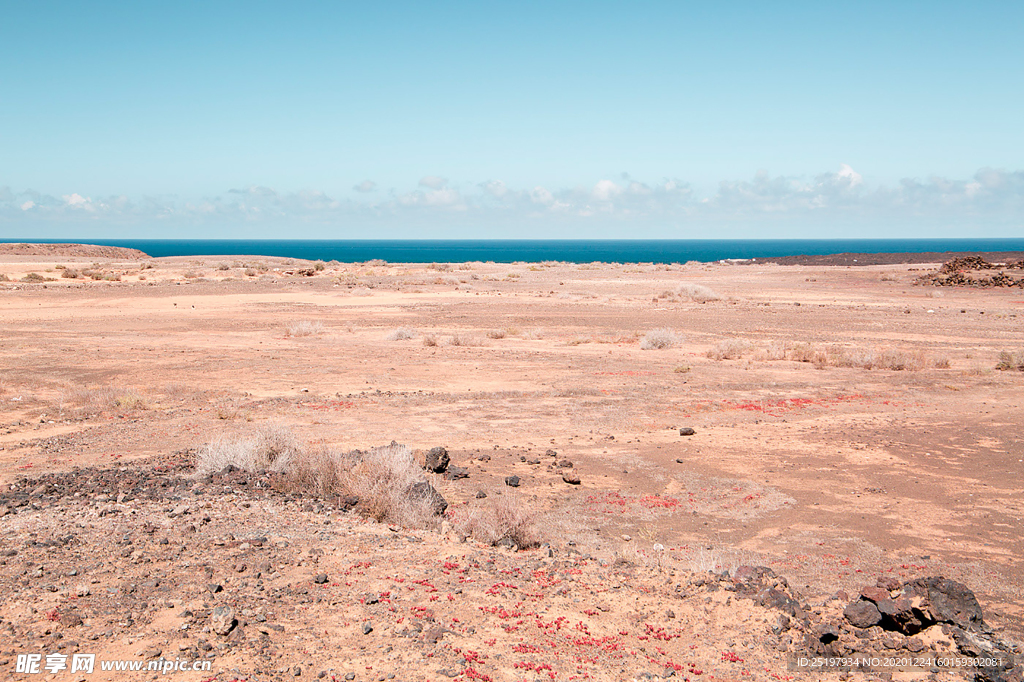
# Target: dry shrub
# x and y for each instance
(70, 273)
(430, 340)
(85, 401)
(697, 292)
(659, 339)
(305, 328)
(191, 274)
(1009, 360)
(33, 277)
(802, 352)
(400, 334)
(269, 448)
(497, 334)
(223, 267)
(319, 266)
(128, 400)
(382, 478)
(464, 340)
(507, 518)
(730, 349)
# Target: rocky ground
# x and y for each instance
(843, 429)
(150, 562)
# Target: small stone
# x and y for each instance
(371, 599)
(320, 579)
(296, 671)
(70, 619)
(627, 538)
(222, 620)
(565, 464)
(571, 477)
(686, 431)
(551, 453)
(214, 588)
(512, 481)
(367, 627)
(480, 494)
(82, 590)
(152, 652)
(679, 460)
(350, 676)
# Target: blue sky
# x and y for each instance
(658, 119)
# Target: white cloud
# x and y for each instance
(365, 186)
(496, 188)
(851, 176)
(991, 196)
(540, 195)
(604, 190)
(433, 182)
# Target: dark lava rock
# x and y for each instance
(686, 431)
(565, 464)
(455, 473)
(367, 627)
(425, 491)
(437, 460)
(947, 601)
(512, 481)
(765, 588)
(862, 614)
(320, 579)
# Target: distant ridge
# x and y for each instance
(72, 250)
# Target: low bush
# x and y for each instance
(659, 339)
(305, 328)
(1011, 361)
(401, 334)
(697, 292)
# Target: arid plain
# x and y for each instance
(847, 423)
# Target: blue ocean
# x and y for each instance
(567, 250)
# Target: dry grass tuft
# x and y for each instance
(305, 328)
(383, 479)
(697, 292)
(269, 448)
(730, 349)
(1011, 361)
(507, 518)
(462, 339)
(430, 340)
(659, 339)
(400, 334)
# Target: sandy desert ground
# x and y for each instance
(848, 426)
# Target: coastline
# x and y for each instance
(849, 259)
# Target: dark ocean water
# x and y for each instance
(570, 250)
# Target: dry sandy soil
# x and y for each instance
(848, 424)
